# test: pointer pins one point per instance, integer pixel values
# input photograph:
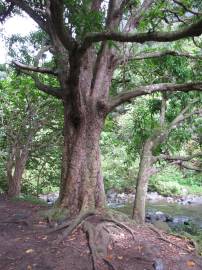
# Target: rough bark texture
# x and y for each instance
(82, 182)
(147, 158)
(84, 71)
(85, 109)
(145, 171)
(15, 168)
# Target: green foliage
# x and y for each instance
(81, 19)
(192, 232)
(19, 98)
(167, 182)
(55, 214)
(118, 170)
(30, 198)
(171, 181)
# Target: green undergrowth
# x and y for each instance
(29, 198)
(119, 215)
(172, 181)
(54, 214)
(192, 232)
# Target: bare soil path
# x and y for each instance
(25, 245)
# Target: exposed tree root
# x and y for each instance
(20, 222)
(60, 227)
(97, 228)
(88, 228)
(161, 237)
(121, 225)
(72, 225)
(111, 266)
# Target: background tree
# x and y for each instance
(86, 41)
(84, 70)
(22, 127)
(85, 58)
(149, 155)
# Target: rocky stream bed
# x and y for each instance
(174, 211)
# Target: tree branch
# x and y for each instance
(149, 89)
(96, 4)
(186, 8)
(40, 54)
(53, 91)
(7, 12)
(25, 7)
(190, 167)
(42, 70)
(135, 18)
(182, 116)
(195, 29)
(180, 158)
(150, 55)
(57, 18)
(163, 109)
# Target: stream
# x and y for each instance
(173, 213)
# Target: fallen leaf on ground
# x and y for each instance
(190, 263)
(120, 257)
(71, 239)
(109, 247)
(140, 248)
(17, 239)
(190, 247)
(109, 257)
(29, 251)
(42, 222)
(29, 267)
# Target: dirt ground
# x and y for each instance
(25, 245)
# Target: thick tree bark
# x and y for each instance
(15, 168)
(82, 186)
(145, 171)
(147, 158)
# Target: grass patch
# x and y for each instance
(29, 198)
(171, 181)
(55, 214)
(192, 232)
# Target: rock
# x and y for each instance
(161, 225)
(43, 197)
(180, 220)
(197, 200)
(160, 216)
(152, 217)
(169, 218)
(119, 198)
(170, 199)
(158, 264)
(50, 198)
(154, 196)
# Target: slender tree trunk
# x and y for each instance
(145, 171)
(82, 186)
(15, 169)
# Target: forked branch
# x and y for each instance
(149, 89)
(53, 91)
(26, 8)
(42, 70)
(193, 30)
(150, 55)
(180, 158)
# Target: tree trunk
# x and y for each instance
(15, 168)
(82, 186)
(145, 171)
